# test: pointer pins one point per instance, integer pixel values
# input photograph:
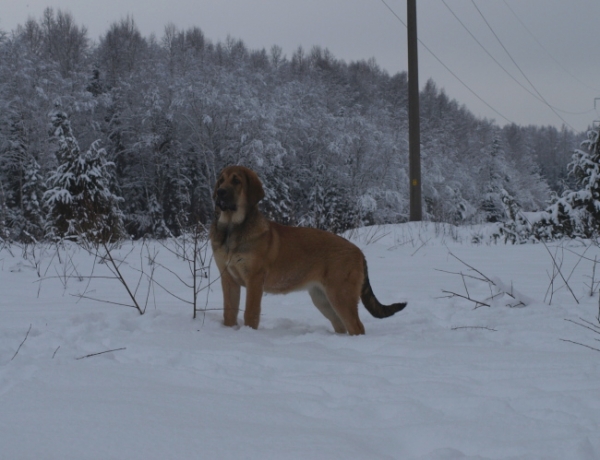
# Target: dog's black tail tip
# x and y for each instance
(396, 307)
(384, 311)
(399, 306)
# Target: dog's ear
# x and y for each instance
(254, 191)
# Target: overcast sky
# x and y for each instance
(550, 47)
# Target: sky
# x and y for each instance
(522, 61)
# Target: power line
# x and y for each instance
(519, 68)
(504, 68)
(447, 68)
(546, 50)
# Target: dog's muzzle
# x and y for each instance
(225, 200)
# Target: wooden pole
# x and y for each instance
(414, 128)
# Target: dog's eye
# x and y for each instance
(235, 181)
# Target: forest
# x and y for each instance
(142, 125)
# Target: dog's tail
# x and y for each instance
(372, 304)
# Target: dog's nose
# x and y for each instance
(221, 192)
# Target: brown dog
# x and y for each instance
(264, 256)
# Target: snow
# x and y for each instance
(440, 380)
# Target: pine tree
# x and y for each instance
(12, 160)
(4, 232)
(331, 206)
(316, 213)
(577, 213)
(491, 204)
(157, 227)
(80, 203)
(277, 204)
(516, 229)
(32, 194)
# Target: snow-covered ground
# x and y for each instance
(440, 380)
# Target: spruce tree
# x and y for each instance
(495, 169)
(32, 194)
(577, 212)
(157, 226)
(277, 204)
(80, 203)
(4, 232)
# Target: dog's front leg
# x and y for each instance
(254, 293)
(231, 299)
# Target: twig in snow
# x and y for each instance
(594, 328)
(101, 353)
(581, 344)
(474, 327)
(81, 296)
(498, 287)
(471, 268)
(419, 248)
(551, 289)
(26, 335)
(559, 271)
(119, 276)
(55, 351)
(590, 323)
(593, 282)
(464, 275)
(192, 248)
(114, 266)
(477, 303)
(556, 265)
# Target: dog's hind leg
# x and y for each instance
(345, 305)
(320, 300)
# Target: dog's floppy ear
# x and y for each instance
(254, 192)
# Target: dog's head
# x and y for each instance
(237, 188)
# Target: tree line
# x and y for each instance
(128, 133)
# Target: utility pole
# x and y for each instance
(414, 127)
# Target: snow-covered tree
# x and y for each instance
(4, 231)
(23, 184)
(577, 212)
(515, 228)
(277, 204)
(121, 49)
(80, 203)
(171, 112)
(12, 166)
(495, 178)
(157, 226)
(34, 218)
(330, 205)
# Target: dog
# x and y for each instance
(264, 256)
